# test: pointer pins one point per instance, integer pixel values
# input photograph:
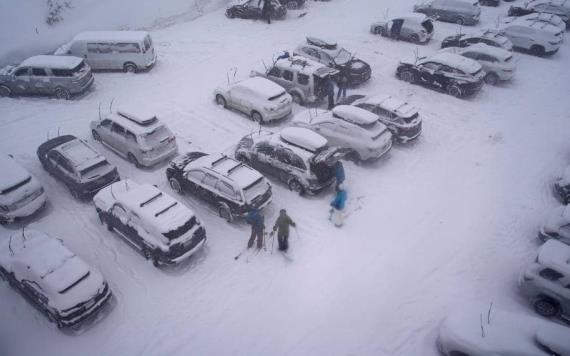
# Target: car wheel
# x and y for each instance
(354, 157)
(408, 76)
(151, 257)
(491, 78)
(176, 186)
(96, 136)
(537, 50)
(62, 93)
(75, 194)
(230, 14)
(133, 160)
(296, 187)
(297, 98)
(414, 38)
(220, 100)
(546, 307)
(130, 68)
(454, 90)
(255, 116)
(225, 212)
(5, 91)
(460, 21)
(292, 5)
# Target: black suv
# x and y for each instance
(231, 186)
(451, 73)
(79, 166)
(251, 10)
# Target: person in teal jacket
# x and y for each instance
(337, 206)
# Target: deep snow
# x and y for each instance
(448, 219)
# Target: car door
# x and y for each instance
(104, 130)
(209, 193)
(120, 222)
(95, 55)
(117, 137)
(283, 159)
(40, 81)
(252, 9)
(427, 72)
(275, 75)
(263, 157)
(236, 97)
(192, 182)
(67, 172)
(328, 130)
(22, 78)
(516, 36)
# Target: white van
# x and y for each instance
(130, 51)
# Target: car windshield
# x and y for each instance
(16, 186)
(93, 169)
(156, 136)
(68, 288)
(342, 56)
(255, 189)
(180, 231)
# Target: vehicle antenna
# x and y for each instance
(58, 128)
(386, 13)
(127, 183)
(10, 246)
(416, 54)
(235, 73)
(99, 110)
(24, 233)
(111, 105)
(113, 194)
(489, 314)
(482, 329)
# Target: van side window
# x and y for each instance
(131, 136)
(287, 75)
(196, 176)
(62, 72)
(21, 72)
(92, 48)
(302, 79)
(126, 48)
(118, 129)
(275, 72)
(210, 180)
(104, 48)
(106, 123)
(39, 72)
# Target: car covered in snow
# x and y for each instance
(544, 17)
(141, 138)
(562, 186)
(21, 195)
(451, 73)
(487, 330)
(251, 9)
(231, 186)
(303, 78)
(357, 130)
(257, 97)
(415, 28)
(456, 11)
(557, 226)
(329, 53)
(497, 63)
(61, 77)
(546, 282)
(52, 278)
(489, 37)
(82, 169)
(537, 38)
(402, 119)
(560, 8)
(296, 156)
(162, 229)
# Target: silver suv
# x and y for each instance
(57, 76)
(142, 139)
(456, 11)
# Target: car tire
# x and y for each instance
(454, 91)
(75, 194)
(256, 117)
(354, 157)
(220, 100)
(62, 93)
(151, 257)
(230, 14)
(546, 307)
(537, 50)
(5, 91)
(297, 98)
(130, 67)
(292, 5)
(131, 158)
(414, 38)
(95, 135)
(492, 78)
(295, 186)
(225, 212)
(408, 76)
(176, 186)
(460, 21)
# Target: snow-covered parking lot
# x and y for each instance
(447, 219)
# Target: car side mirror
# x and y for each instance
(11, 155)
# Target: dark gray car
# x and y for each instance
(57, 76)
(456, 11)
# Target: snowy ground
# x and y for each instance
(448, 219)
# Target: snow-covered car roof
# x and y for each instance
(555, 254)
(412, 17)
(564, 3)
(559, 217)
(306, 66)
(495, 52)
(111, 36)
(137, 115)
(303, 138)
(354, 114)
(388, 102)
(242, 175)
(261, 87)
(325, 43)
(49, 61)
(536, 25)
(12, 173)
(133, 125)
(80, 154)
(536, 16)
(455, 61)
(504, 332)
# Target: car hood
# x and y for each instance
(555, 337)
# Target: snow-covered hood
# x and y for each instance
(565, 178)
(558, 218)
(12, 176)
(12, 173)
(555, 254)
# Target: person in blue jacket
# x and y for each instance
(257, 222)
(337, 206)
(339, 173)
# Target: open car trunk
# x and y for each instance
(322, 164)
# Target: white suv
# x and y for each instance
(538, 38)
(349, 127)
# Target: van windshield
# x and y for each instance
(147, 44)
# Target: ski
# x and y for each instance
(241, 253)
(253, 254)
(286, 256)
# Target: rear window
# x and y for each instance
(16, 186)
(68, 72)
(93, 168)
(180, 231)
(255, 189)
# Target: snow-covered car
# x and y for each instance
(61, 77)
(139, 137)
(537, 38)
(52, 278)
(489, 37)
(77, 165)
(415, 28)
(231, 186)
(162, 229)
(329, 53)
(497, 63)
(401, 118)
(251, 9)
(451, 73)
(21, 195)
(560, 8)
(292, 4)
(552, 19)
(562, 186)
(303, 78)
(257, 97)
(490, 331)
(456, 11)
(557, 226)
(546, 282)
(357, 130)
(296, 156)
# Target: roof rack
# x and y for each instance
(166, 209)
(219, 160)
(151, 199)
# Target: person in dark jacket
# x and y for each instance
(266, 10)
(282, 227)
(342, 83)
(257, 222)
(329, 91)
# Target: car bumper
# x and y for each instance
(25, 211)
(151, 161)
(471, 89)
(186, 254)
(88, 312)
(359, 78)
(316, 188)
(551, 51)
(81, 89)
(406, 134)
(152, 62)
(377, 153)
(89, 192)
(277, 115)
(505, 75)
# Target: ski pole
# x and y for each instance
(272, 241)
(297, 232)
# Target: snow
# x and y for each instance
(555, 254)
(261, 87)
(565, 179)
(388, 102)
(80, 154)
(12, 173)
(496, 52)
(447, 219)
(558, 218)
(355, 114)
(456, 61)
(134, 36)
(304, 138)
(47, 61)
